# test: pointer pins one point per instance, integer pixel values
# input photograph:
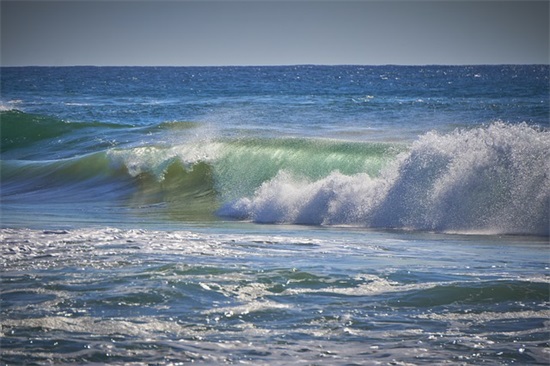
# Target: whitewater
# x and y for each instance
(272, 215)
(491, 180)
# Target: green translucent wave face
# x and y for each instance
(38, 137)
(246, 164)
(20, 129)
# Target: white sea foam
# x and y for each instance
(156, 160)
(492, 179)
(9, 105)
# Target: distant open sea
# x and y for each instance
(315, 215)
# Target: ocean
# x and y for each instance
(316, 215)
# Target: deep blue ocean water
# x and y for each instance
(330, 215)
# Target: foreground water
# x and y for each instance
(275, 215)
(272, 295)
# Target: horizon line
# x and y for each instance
(285, 65)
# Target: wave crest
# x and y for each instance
(491, 179)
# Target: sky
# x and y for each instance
(206, 33)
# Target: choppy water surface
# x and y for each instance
(272, 296)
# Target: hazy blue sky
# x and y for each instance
(273, 33)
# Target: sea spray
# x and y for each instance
(156, 161)
(490, 179)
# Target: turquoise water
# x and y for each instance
(275, 215)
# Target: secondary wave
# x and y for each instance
(492, 179)
(23, 130)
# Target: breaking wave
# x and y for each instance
(492, 179)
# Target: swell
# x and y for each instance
(19, 129)
(84, 175)
(58, 180)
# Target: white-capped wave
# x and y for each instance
(156, 160)
(492, 179)
(9, 105)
